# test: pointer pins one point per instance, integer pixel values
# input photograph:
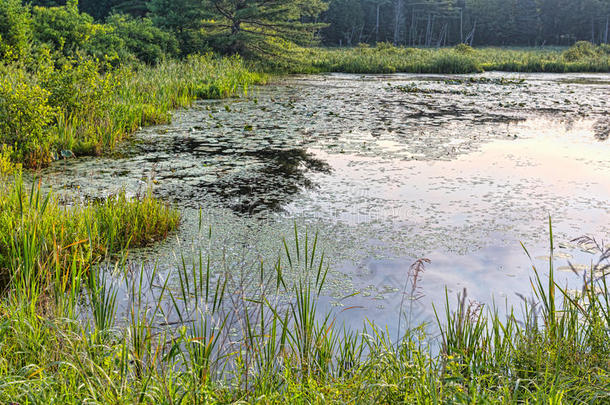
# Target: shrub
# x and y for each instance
(463, 48)
(7, 166)
(141, 38)
(580, 50)
(15, 30)
(77, 87)
(25, 118)
(385, 46)
(63, 28)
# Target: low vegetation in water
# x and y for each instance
(70, 86)
(39, 236)
(79, 108)
(213, 339)
(386, 58)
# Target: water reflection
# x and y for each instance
(282, 174)
(459, 173)
(602, 129)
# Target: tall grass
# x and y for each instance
(39, 237)
(85, 108)
(210, 338)
(385, 58)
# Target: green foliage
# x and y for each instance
(141, 38)
(64, 29)
(464, 49)
(57, 236)
(15, 30)
(26, 117)
(78, 88)
(57, 347)
(255, 28)
(125, 222)
(7, 167)
(582, 50)
(84, 107)
(121, 40)
(346, 20)
(438, 23)
(183, 18)
(386, 58)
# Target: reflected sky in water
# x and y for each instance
(458, 171)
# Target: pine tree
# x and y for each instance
(182, 17)
(261, 27)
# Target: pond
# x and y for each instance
(386, 169)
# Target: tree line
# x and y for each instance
(475, 22)
(260, 26)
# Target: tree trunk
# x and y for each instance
(412, 28)
(461, 25)
(428, 30)
(397, 20)
(377, 24)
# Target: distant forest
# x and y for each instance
(428, 23)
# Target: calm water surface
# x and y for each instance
(388, 169)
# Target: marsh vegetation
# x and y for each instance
(184, 220)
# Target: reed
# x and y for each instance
(385, 58)
(84, 107)
(39, 237)
(210, 337)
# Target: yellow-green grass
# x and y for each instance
(287, 351)
(385, 58)
(84, 107)
(39, 236)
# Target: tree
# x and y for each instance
(100, 9)
(182, 17)
(346, 22)
(256, 27)
(137, 8)
(142, 39)
(65, 29)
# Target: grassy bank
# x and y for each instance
(50, 111)
(53, 108)
(236, 343)
(385, 58)
(39, 237)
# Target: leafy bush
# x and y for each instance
(25, 118)
(146, 42)
(122, 39)
(77, 87)
(7, 166)
(463, 48)
(385, 46)
(581, 50)
(15, 30)
(64, 29)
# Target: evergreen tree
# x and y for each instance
(257, 27)
(184, 18)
